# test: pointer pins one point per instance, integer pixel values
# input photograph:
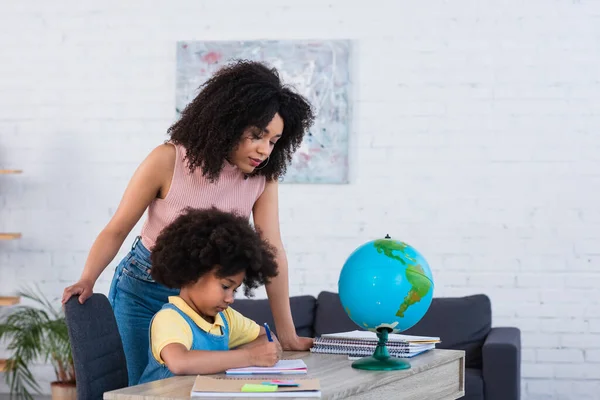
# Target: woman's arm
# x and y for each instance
(150, 180)
(266, 219)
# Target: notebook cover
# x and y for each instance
(205, 384)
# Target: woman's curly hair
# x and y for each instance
(201, 239)
(238, 96)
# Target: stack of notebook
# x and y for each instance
(363, 343)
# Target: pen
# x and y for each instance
(268, 332)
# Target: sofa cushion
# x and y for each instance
(462, 323)
(303, 312)
(330, 316)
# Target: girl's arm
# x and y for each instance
(266, 219)
(151, 179)
(182, 361)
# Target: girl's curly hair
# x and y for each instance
(201, 239)
(240, 95)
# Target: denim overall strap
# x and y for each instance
(201, 341)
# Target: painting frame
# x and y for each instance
(318, 69)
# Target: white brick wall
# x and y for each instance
(476, 123)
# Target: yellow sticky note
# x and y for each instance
(250, 387)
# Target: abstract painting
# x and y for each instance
(320, 70)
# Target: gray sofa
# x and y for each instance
(493, 355)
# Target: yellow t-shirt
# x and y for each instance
(169, 327)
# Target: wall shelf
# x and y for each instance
(9, 236)
(9, 300)
(10, 171)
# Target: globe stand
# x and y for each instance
(381, 359)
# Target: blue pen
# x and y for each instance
(268, 332)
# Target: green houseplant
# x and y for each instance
(34, 333)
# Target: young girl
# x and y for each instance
(208, 254)
(228, 149)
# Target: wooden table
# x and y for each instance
(435, 375)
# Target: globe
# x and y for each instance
(385, 286)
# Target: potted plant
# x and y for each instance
(37, 332)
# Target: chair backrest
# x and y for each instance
(96, 345)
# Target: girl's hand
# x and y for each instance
(279, 348)
(261, 339)
(84, 288)
(264, 353)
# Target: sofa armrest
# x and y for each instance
(501, 356)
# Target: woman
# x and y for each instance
(228, 149)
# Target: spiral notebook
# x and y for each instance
(368, 336)
(363, 343)
(205, 386)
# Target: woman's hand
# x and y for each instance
(296, 343)
(84, 288)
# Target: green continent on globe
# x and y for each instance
(387, 246)
(420, 287)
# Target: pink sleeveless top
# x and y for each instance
(230, 192)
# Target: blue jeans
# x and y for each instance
(135, 298)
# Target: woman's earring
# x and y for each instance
(264, 164)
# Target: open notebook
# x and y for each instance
(205, 386)
(363, 343)
(292, 367)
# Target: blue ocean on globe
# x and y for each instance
(385, 283)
